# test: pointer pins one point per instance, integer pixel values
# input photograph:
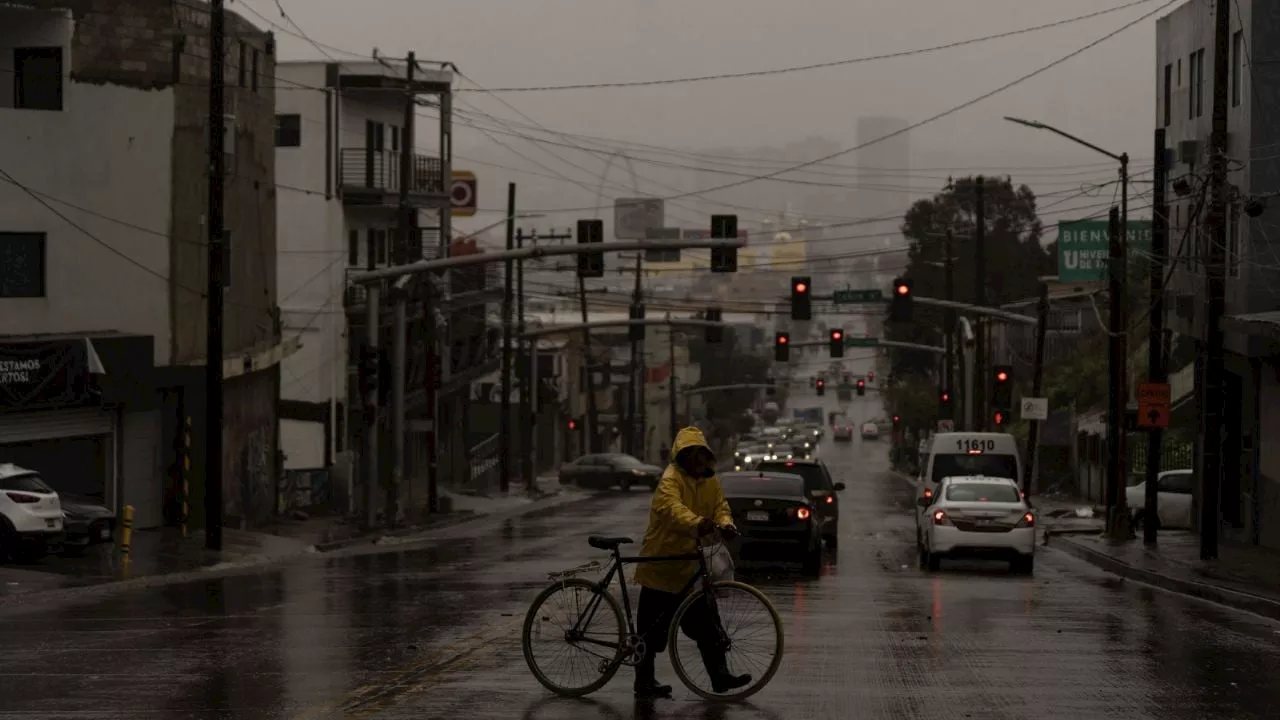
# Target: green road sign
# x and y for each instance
(861, 342)
(845, 297)
(1083, 251)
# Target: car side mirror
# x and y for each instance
(839, 487)
(924, 502)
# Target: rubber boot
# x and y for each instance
(646, 686)
(722, 681)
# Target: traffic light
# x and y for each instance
(782, 347)
(871, 374)
(637, 330)
(715, 333)
(1002, 388)
(900, 303)
(822, 387)
(590, 265)
(944, 405)
(724, 227)
(999, 418)
(573, 424)
(801, 303)
(837, 343)
(861, 387)
(897, 419)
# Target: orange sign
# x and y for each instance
(1153, 405)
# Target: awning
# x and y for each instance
(1263, 324)
(44, 373)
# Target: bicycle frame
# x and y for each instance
(616, 568)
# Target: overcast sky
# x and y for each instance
(1105, 95)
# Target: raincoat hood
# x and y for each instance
(690, 437)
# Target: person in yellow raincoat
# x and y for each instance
(687, 503)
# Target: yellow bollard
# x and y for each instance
(126, 532)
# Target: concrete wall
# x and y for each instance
(102, 162)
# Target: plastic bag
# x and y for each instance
(719, 562)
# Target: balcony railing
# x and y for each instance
(379, 171)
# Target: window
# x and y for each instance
(982, 492)
(395, 138)
(1177, 483)
(244, 65)
(288, 131)
(380, 246)
(353, 248)
(37, 78)
(814, 477)
(1168, 95)
(22, 265)
(253, 72)
(1197, 84)
(1237, 66)
(1179, 72)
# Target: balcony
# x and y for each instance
(372, 177)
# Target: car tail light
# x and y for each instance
(803, 513)
(940, 518)
(22, 498)
(831, 500)
(1027, 520)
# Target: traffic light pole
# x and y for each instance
(1037, 386)
(671, 378)
(980, 294)
(593, 416)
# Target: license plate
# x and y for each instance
(758, 516)
(104, 534)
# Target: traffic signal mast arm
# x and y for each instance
(533, 253)
(965, 307)
(879, 343)
(577, 327)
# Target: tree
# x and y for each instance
(1015, 258)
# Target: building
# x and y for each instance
(1184, 94)
(103, 261)
(341, 136)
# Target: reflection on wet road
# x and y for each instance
(433, 632)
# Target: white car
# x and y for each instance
(976, 516)
(30, 513)
(1173, 499)
(870, 431)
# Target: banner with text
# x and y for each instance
(1083, 248)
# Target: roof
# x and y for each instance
(1261, 324)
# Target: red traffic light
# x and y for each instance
(573, 424)
(836, 335)
(822, 383)
(801, 287)
(903, 289)
(946, 397)
(782, 339)
(1002, 376)
(871, 374)
(998, 418)
(862, 383)
(896, 419)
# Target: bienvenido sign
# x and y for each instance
(51, 373)
(1083, 248)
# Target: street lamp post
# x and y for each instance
(1117, 462)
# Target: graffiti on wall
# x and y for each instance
(256, 492)
(302, 490)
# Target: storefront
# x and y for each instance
(52, 418)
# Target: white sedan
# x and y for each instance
(870, 431)
(977, 516)
(1173, 499)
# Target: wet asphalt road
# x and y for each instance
(423, 632)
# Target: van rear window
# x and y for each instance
(989, 465)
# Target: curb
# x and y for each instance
(371, 538)
(1256, 604)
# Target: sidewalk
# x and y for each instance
(1243, 577)
(163, 557)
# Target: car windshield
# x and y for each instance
(771, 432)
(30, 482)
(623, 461)
(757, 486)
(989, 465)
(814, 478)
(983, 492)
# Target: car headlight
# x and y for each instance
(747, 459)
(807, 445)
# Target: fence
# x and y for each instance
(1091, 464)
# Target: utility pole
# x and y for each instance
(1117, 460)
(504, 423)
(949, 316)
(980, 299)
(1212, 396)
(635, 397)
(1156, 370)
(1037, 387)
(641, 407)
(373, 300)
(526, 434)
(593, 415)
(671, 379)
(399, 335)
(213, 310)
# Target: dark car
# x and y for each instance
(86, 521)
(605, 470)
(819, 487)
(775, 517)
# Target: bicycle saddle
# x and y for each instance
(607, 543)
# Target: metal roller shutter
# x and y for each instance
(26, 427)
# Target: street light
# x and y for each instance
(1122, 158)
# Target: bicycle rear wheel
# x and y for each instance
(753, 635)
(594, 652)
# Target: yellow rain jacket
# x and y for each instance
(679, 504)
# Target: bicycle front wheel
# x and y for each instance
(752, 640)
(574, 637)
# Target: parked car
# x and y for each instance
(870, 431)
(1173, 499)
(818, 486)
(776, 518)
(30, 514)
(978, 516)
(605, 470)
(86, 522)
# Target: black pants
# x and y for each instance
(654, 613)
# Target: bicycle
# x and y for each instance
(621, 644)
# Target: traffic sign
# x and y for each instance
(947, 425)
(1034, 408)
(861, 342)
(848, 297)
(462, 194)
(1153, 405)
(633, 216)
